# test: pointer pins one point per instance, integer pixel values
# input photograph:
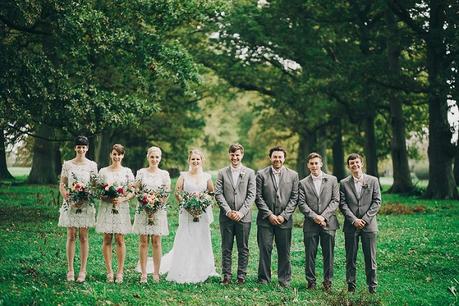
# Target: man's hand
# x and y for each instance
(280, 219)
(319, 220)
(273, 219)
(238, 216)
(359, 223)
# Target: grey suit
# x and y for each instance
(312, 205)
(278, 200)
(363, 206)
(238, 196)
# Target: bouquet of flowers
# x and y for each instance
(152, 201)
(195, 203)
(113, 191)
(80, 193)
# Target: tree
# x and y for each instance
(88, 68)
(435, 24)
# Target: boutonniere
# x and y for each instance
(242, 174)
(324, 179)
(365, 186)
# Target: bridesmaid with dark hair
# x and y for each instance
(113, 217)
(77, 219)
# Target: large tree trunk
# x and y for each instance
(102, 148)
(322, 150)
(338, 152)
(43, 162)
(4, 173)
(401, 171)
(371, 157)
(441, 152)
(57, 160)
(456, 166)
(308, 143)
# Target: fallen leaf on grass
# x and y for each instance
(453, 290)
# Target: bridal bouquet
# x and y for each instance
(195, 203)
(152, 201)
(81, 193)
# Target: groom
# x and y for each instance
(235, 194)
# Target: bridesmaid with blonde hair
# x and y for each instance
(113, 218)
(151, 178)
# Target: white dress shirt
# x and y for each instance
(236, 172)
(317, 180)
(358, 183)
(277, 175)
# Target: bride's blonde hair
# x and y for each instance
(152, 150)
(197, 152)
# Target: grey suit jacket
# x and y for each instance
(324, 204)
(272, 199)
(364, 206)
(240, 197)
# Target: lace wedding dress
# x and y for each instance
(191, 259)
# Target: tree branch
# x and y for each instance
(417, 89)
(404, 16)
(31, 30)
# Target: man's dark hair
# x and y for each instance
(277, 148)
(353, 156)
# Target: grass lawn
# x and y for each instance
(418, 260)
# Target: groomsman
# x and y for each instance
(318, 201)
(360, 200)
(235, 194)
(277, 196)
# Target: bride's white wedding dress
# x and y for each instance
(191, 259)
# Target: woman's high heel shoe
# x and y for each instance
(119, 278)
(70, 276)
(81, 277)
(110, 277)
(156, 278)
(143, 279)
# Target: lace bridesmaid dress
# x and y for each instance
(160, 226)
(107, 221)
(68, 216)
(191, 259)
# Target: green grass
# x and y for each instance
(418, 261)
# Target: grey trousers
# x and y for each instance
(327, 243)
(351, 241)
(228, 230)
(283, 239)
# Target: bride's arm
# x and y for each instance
(179, 188)
(210, 186)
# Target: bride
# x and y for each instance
(191, 259)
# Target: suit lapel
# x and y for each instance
(322, 184)
(230, 176)
(271, 173)
(352, 186)
(240, 177)
(310, 183)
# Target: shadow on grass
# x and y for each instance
(26, 214)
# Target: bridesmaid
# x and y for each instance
(152, 178)
(111, 223)
(79, 168)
